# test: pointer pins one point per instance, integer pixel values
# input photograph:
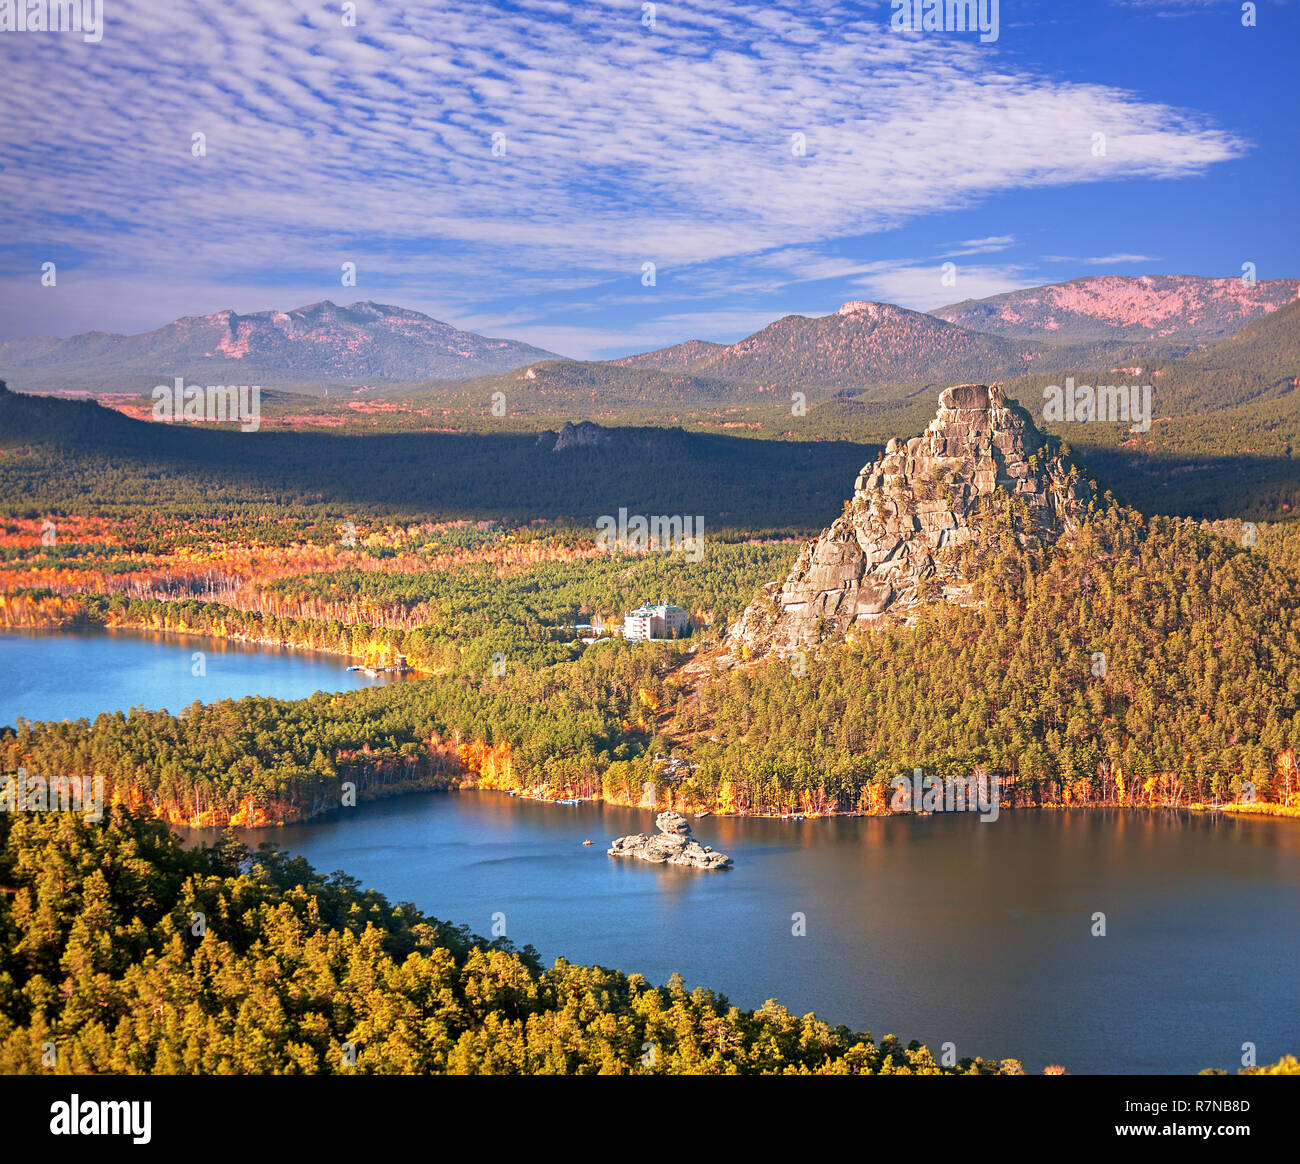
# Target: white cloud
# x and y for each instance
(921, 286)
(601, 343)
(981, 246)
(624, 145)
(1102, 260)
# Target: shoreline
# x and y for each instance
(471, 776)
(83, 620)
(135, 628)
(1280, 811)
(334, 814)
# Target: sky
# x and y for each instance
(513, 168)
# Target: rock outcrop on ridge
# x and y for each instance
(672, 845)
(585, 434)
(892, 547)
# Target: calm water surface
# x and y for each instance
(62, 675)
(940, 928)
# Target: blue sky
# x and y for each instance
(628, 144)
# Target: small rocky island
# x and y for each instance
(673, 845)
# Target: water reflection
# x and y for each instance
(938, 928)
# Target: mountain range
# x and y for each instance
(1152, 309)
(1092, 319)
(1095, 322)
(321, 343)
(860, 346)
(1226, 424)
(861, 342)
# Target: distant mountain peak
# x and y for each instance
(870, 309)
(862, 343)
(1190, 310)
(318, 342)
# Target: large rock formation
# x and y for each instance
(584, 435)
(893, 547)
(673, 845)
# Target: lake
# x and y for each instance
(66, 675)
(937, 928)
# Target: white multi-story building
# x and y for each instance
(655, 622)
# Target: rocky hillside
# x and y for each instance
(595, 384)
(321, 342)
(679, 356)
(1172, 310)
(894, 545)
(859, 345)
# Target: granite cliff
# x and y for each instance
(912, 509)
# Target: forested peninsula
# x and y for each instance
(1197, 705)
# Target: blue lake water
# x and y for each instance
(940, 928)
(60, 675)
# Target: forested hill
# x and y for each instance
(1142, 662)
(28, 419)
(1260, 364)
(1225, 425)
(863, 343)
(1158, 600)
(76, 456)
